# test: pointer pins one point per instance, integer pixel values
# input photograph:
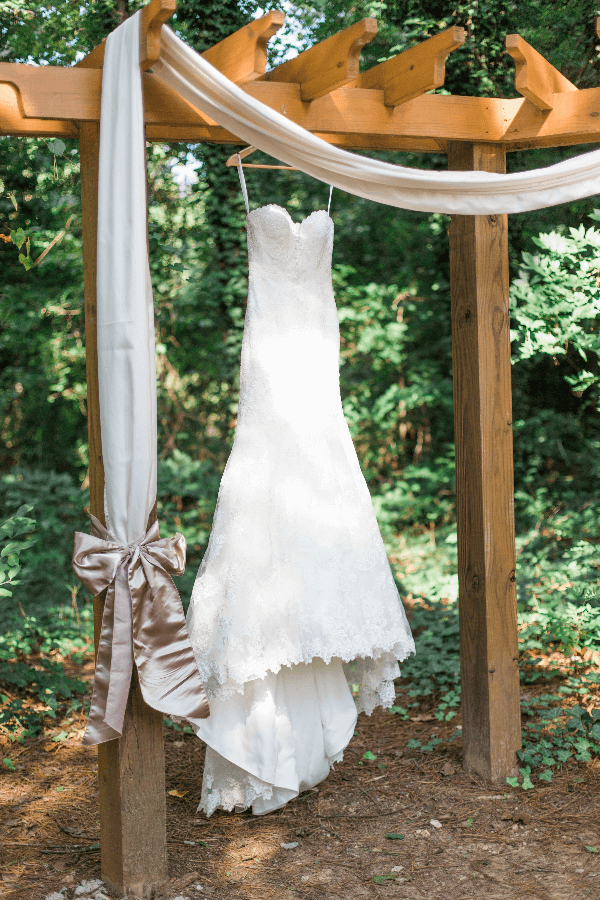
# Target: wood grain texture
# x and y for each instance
(484, 479)
(154, 15)
(415, 71)
(130, 770)
(535, 77)
(133, 836)
(89, 143)
(12, 121)
(242, 56)
(329, 64)
(72, 95)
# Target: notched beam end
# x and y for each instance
(328, 65)
(535, 77)
(153, 17)
(13, 122)
(242, 57)
(415, 71)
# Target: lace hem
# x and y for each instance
(221, 683)
(225, 786)
(375, 678)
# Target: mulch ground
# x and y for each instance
(486, 840)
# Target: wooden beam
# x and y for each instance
(353, 114)
(152, 19)
(12, 122)
(535, 77)
(131, 771)
(328, 65)
(154, 15)
(415, 71)
(242, 56)
(491, 719)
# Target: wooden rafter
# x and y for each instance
(13, 122)
(535, 77)
(415, 71)
(351, 117)
(370, 110)
(328, 65)
(242, 56)
(153, 17)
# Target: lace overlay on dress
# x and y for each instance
(295, 570)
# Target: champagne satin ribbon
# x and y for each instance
(143, 621)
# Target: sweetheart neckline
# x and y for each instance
(284, 210)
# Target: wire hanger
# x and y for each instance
(236, 160)
(233, 161)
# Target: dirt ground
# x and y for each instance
(455, 837)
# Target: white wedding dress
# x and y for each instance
(295, 599)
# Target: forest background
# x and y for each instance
(391, 280)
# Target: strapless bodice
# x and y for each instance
(295, 251)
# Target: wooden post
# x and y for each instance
(484, 478)
(131, 770)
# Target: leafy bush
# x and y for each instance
(46, 578)
(13, 542)
(34, 686)
(556, 305)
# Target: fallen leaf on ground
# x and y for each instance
(289, 846)
(175, 793)
(521, 816)
(448, 769)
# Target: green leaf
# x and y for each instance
(394, 837)
(369, 755)
(592, 849)
(514, 782)
(61, 736)
(19, 237)
(527, 783)
(546, 775)
(8, 763)
(383, 879)
(57, 147)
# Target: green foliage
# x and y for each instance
(34, 687)
(13, 541)
(556, 306)
(187, 492)
(59, 506)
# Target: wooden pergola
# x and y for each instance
(387, 107)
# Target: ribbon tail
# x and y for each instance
(114, 665)
(166, 665)
(97, 731)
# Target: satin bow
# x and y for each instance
(143, 620)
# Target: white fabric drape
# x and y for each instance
(142, 621)
(125, 308)
(463, 193)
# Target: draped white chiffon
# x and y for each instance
(463, 193)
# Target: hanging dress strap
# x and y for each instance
(330, 193)
(243, 182)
